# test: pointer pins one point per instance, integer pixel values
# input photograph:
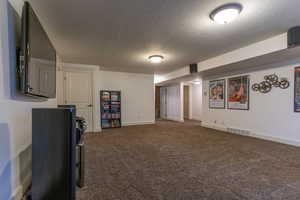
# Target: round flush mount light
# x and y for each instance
(197, 82)
(226, 13)
(156, 58)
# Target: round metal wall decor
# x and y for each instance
(269, 82)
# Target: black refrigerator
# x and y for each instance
(53, 154)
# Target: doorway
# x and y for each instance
(186, 102)
(157, 102)
(78, 90)
(163, 103)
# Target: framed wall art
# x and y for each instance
(238, 93)
(297, 90)
(217, 94)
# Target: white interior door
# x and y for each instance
(163, 103)
(78, 91)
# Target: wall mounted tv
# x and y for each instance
(37, 58)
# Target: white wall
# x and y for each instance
(174, 102)
(15, 117)
(60, 83)
(196, 101)
(271, 116)
(172, 75)
(269, 45)
(260, 48)
(137, 93)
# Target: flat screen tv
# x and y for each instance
(37, 64)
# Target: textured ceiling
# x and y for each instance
(119, 35)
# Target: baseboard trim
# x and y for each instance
(195, 119)
(174, 120)
(214, 126)
(97, 130)
(127, 124)
(22, 189)
(254, 135)
(276, 139)
(17, 194)
(137, 123)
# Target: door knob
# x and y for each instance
(90, 105)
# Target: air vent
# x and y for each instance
(238, 131)
(294, 37)
(193, 68)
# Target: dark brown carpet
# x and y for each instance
(183, 161)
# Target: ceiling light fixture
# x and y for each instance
(156, 58)
(226, 13)
(197, 82)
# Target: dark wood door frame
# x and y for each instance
(186, 102)
(157, 102)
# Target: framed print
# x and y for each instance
(238, 93)
(217, 94)
(297, 90)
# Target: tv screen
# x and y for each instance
(37, 58)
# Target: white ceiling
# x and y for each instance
(119, 35)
